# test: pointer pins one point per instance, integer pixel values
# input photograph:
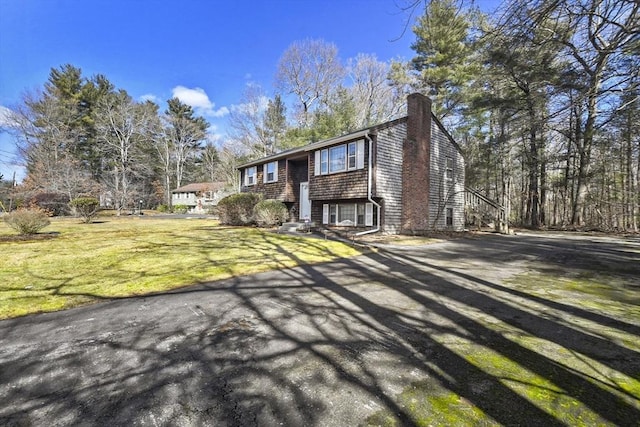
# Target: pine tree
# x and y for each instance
(275, 124)
(444, 51)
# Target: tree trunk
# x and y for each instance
(167, 186)
(543, 191)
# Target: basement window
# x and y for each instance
(348, 214)
(449, 217)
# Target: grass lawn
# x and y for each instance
(120, 257)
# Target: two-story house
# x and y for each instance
(402, 176)
(199, 197)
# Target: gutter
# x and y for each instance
(369, 189)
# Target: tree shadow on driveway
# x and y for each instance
(333, 344)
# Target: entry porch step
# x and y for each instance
(293, 227)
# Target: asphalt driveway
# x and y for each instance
(335, 344)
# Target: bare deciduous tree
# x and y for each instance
(375, 99)
(121, 129)
(185, 132)
(310, 70)
(46, 138)
(247, 122)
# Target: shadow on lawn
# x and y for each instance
(312, 346)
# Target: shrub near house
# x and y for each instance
(269, 213)
(237, 209)
(402, 176)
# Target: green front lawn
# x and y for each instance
(120, 257)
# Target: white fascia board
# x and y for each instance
(337, 140)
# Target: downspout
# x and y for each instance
(369, 190)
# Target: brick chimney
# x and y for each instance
(415, 168)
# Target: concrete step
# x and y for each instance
(292, 227)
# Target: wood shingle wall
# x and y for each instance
(445, 193)
(339, 186)
(388, 175)
(270, 190)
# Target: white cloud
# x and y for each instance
(149, 97)
(214, 137)
(196, 97)
(7, 118)
(199, 100)
(220, 112)
(255, 106)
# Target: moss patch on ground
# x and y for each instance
(573, 359)
(121, 257)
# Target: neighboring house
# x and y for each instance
(402, 176)
(199, 196)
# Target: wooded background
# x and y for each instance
(543, 97)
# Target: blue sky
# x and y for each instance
(203, 51)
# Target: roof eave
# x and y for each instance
(277, 156)
(338, 139)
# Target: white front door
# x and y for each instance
(305, 203)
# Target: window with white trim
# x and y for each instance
(449, 217)
(348, 214)
(324, 162)
(270, 172)
(351, 155)
(333, 209)
(360, 214)
(341, 158)
(250, 175)
(337, 161)
(448, 172)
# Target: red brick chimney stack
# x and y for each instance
(416, 156)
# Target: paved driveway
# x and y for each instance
(329, 345)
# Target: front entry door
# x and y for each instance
(305, 203)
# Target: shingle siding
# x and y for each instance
(341, 185)
(388, 175)
(409, 163)
(298, 172)
(270, 190)
(443, 193)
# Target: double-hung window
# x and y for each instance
(341, 158)
(270, 172)
(337, 160)
(448, 172)
(250, 175)
(352, 150)
(324, 162)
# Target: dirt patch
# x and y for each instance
(28, 237)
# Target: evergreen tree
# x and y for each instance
(275, 124)
(444, 51)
